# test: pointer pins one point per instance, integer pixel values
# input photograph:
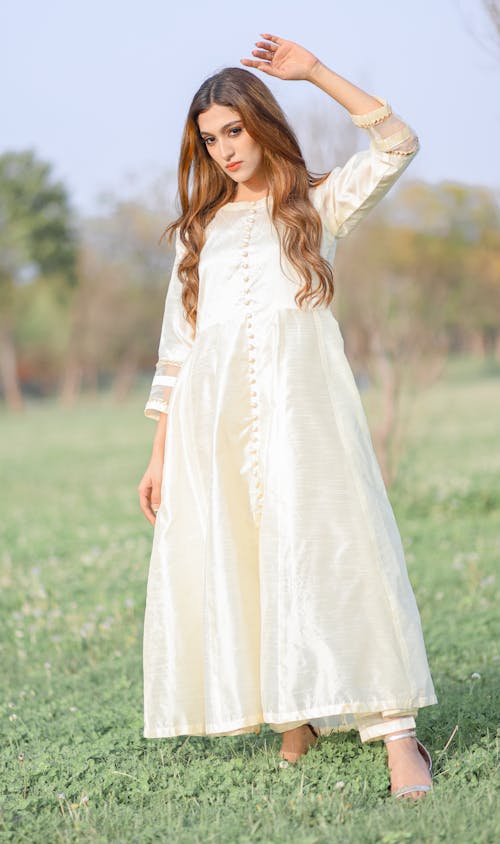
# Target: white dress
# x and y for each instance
(277, 587)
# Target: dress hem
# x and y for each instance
(252, 725)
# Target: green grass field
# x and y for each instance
(75, 552)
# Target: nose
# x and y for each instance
(226, 148)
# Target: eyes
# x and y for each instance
(209, 140)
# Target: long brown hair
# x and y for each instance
(204, 187)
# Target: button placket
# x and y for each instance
(249, 320)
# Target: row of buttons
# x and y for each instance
(251, 346)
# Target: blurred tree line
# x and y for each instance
(81, 301)
(420, 282)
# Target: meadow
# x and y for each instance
(74, 555)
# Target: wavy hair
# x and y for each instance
(203, 187)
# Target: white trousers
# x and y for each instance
(371, 727)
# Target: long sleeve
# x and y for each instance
(176, 340)
(352, 190)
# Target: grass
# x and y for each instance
(75, 551)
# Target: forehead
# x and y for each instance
(214, 118)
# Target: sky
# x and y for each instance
(101, 88)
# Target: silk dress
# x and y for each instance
(277, 587)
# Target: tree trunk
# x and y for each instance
(72, 380)
(124, 378)
(489, 336)
(386, 370)
(8, 371)
(92, 379)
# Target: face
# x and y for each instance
(229, 144)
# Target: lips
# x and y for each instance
(233, 166)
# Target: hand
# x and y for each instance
(283, 59)
(150, 489)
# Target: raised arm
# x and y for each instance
(350, 191)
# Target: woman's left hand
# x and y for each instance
(283, 59)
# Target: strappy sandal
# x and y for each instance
(406, 789)
(299, 755)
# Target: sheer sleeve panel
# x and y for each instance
(176, 340)
(351, 191)
(387, 131)
(164, 380)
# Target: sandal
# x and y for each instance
(406, 789)
(298, 755)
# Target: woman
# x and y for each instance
(277, 590)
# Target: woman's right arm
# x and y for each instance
(176, 341)
(150, 485)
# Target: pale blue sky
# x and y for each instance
(101, 87)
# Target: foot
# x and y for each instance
(407, 766)
(296, 742)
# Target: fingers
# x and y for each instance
(259, 65)
(146, 506)
(265, 67)
(266, 50)
(269, 48)
(274, 38)
(147, 510)
(149, 499)
(263, 54)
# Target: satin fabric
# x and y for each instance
(370, 727)
(277, 587)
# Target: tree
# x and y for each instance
(115, 316)
(485, 28)
(37, 241)
(419, 278)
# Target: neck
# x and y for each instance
(251, 190)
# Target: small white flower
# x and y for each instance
(487, 581)
(284, 764)
(340, 784)
(13, 717)
(61, 796)
(475, 676)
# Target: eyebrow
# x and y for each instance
(226, 126)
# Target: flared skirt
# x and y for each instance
(278, 588)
